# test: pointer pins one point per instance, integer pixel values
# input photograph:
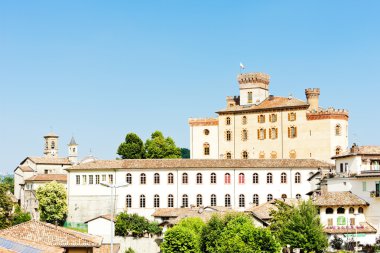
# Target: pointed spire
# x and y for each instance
(72, 142)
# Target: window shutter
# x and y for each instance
(270, 133)
(265, 133)
(288, 116)
(295, 131)
(288, 132)
(258, 118)
(258, 134)
(270, 117)
(276, 133)
(295, 116)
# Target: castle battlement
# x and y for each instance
(329, 113)
(246, 78)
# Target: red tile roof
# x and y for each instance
(48, 234)
(339, 199)
(48, 177)
(364, 227)
(25, 168)
(18, 244)
(49, 160)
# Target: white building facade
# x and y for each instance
(175, 183)
(256, 125)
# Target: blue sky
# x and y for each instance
(100, 69)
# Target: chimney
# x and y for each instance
(312, 96)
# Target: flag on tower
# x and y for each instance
(242, 66)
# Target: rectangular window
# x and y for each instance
(249, 97)
(377, 189)
(91, 179)
(345, 167)
(364, 185)
(46, 172)
(352, 221)
(341, 168)
(104, 178)
(330, 222)
(97, 179)
(77, 179)
(84, 179)
(110, 179)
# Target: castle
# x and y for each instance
(256, 125)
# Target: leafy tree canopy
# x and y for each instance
(135, 225)
(20, 216)
(185, 153)
(52, 202)
(8, 182)
(159, 147)
(5, 207)
(299, 226)
(132, 147)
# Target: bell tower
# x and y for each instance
(51, 145)
(73, 151)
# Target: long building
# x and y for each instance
(256, 125)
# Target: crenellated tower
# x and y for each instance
(254, 87)
(312, 96)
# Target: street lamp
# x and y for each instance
(112, 186)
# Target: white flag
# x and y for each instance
(242, 66)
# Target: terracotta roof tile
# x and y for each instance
(106, 248)
(105, 216)
(339, 199)
(263, 211)
(49, 160)
(25, 168)
(48, 177)
(17, 245)
(361, 150)
(364, 227)
(200, 163)
(269, 104)
(48, 234)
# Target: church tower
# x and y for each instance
(254, 88)
(51, 145)
(73, 151)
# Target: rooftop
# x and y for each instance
(48, 160)
(48, 234)
(200, 163)
(360, 150)
(263, 211)
(48, 177)
(364, 227)
(339, 199)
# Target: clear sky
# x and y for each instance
(100, 69)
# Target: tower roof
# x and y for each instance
(72, 142)
(51, 134)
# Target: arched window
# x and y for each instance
(128, 201)
(292, 154)
(156, 202)
(338, 150)
(227, 178)
(297, 178)
(228, 155)
(298, 196)
(185, 200)
(241, 178)
(351, 210)
(292, 132)
(244, 155)
(185, 178)
(199, 178)
(255, 178)
(128, 178)
(199, 200)
(206, 132)
(255, 199)
(53, 145)
(241, 200)
(206, 149)
(338, 130)
(273, 133)
(244, 135)
(273, 117)
(213, 178)
(142, 178)
(227, 200)
(228, 121)
(261, 118)
(292, 116)
(273, 155)
(360, 210)
(170, 200)
(261, 134)
(329, 210)
(284, 196)
(156, 178)
(142, 201)
(244, 120)
(269, 178)
(269, 197)
(170, 178)
(283, 178)
(213, 200)
(228, 135)
(341, 210)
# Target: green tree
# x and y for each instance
(20, 216)
(299, 227)
(184, 237)
(159, 147)
(8, 182)
(135, 225)
(6, 206)
(185, 153)
(236, 233)
(52, 200)
(132, 147)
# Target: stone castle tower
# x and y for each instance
(254, 87)
(51, 145)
